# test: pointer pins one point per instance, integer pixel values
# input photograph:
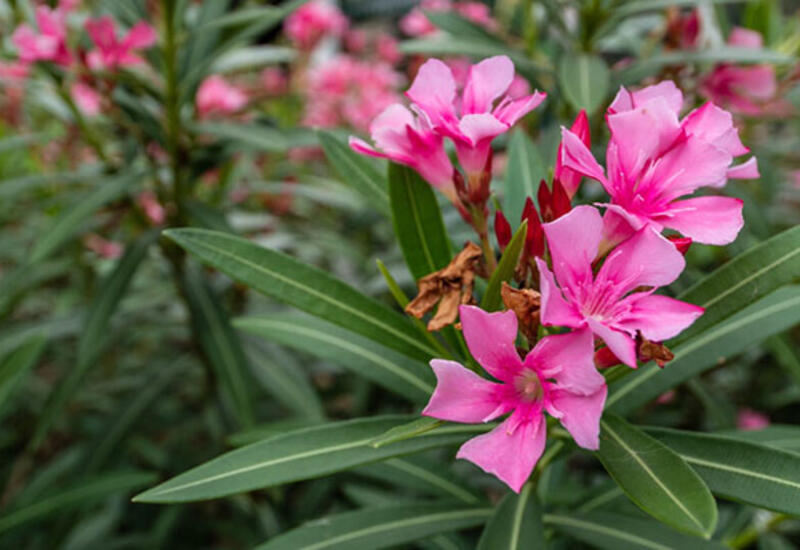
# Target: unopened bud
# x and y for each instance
(605, 358)
(502, 229)
(560, 203)
(682, 244)
(534, 238)
(544, 201)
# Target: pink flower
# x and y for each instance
(215, 95)
(312, 22)
(104, 248)
(274, 81)
(49, 43)
(570, 179)
(387, 49)
(410, 140)
(653, 159)
(750, 90)
(86, 98)
(110, 52)
(602, 302)
(557, 376)
(479, 121)
(477, 12)
(149, 204)
(748, 419)
(416, 23)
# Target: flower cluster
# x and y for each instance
(587, 281)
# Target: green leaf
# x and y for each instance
(220, 344)
(95, 329)
(453, 23)
(252, 58)
(655, 478)
(745, 472)
(307, 288)
(584, 79)
(15, 366)
(525, 170)
(88, 489)
(257, 137)
(613, 531)
(516, 523)
(771, 315)
(356, 171)
(782, 436)
(492, 299)
(394, 371)
(415, 428)
(294, 456)
(380, 527)
(74, 216)
(417, 222)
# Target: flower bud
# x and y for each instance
(682, 244)
(502, 229)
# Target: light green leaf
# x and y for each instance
(746, 472)
(655, 478)
(516, 523)
(769, 316)
(584, 79)
(417, 222)
(456, 25)
(416, 427)
(15, 366)
(525, 170)
(384, 366)
(294, 456)
(492, 299)
(251, 58)
(356, 171)
(613, 531)
(379, 527)
(257, 137)
(782, 436)
(304, 287)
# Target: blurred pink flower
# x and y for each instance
(313, 21)
(653, 159)
(556, 376)
(274, 81)
(683, 29)
(387, 49)
(355, 40)
(748, 419)
(112, 52)
(49, 43)
(103, 247)
(416, 23)
(610, 303)
(149, 204)
(478, 121)
(86, 98)
(13, 72)
(748, 90)
(216, 96)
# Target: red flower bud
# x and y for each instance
(502, 229)
(559, 200)
(544, 201)
(682, 244)
(534, 238)
(605, 358)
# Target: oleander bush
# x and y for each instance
(397, 274)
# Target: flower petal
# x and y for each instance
(576, 156)
(574, 240)
(580, 415)
(620, 344)
(555, 310)
(658, 317)
(646, 259)
(434, 90)
(569, 359)
(510, 451)
(747, 170)
(463, 396)
(487, 81)
(510, 111)
(709, 220)
(141, 35)
(479, 127)
(491, 338)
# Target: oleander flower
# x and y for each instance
(48, 42)
(311, 22)
(111, 52)
(216, 96)
(612, 303)
(86, 98)
(653, 159)
(557, 376)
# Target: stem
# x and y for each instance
(488, 253)
(172, 107)
(751, 534)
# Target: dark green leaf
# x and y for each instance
(492, 299)
(516, 523)
(584, 79)
(525, 170)
(15, 366)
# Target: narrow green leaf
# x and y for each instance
(613, 531)
(307, 288)
(356, 171)
(417, 222)
(220, 344)
(516, 523)
(257, 137)
(297, 455)
(525, 170)
(252, 58)
(73, 217)
(492, 299)
(416, 427)
(380, 527)
(15, 366)
(456, 25)
(384, 366)
(782, 436)
(95, 329)
(95, 488)
(771, 315)
(655, 478)
(746, 472)
(584, 79)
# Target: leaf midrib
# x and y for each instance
(551, 518)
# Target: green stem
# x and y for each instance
(172, 107)
(751, 534)
(87, 132)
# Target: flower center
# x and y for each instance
(529, 387)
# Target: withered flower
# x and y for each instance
(653, 351)
(525, 304)
(449, 287)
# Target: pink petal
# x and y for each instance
(569, 359)
(140, 36)
(102, 31)
(463, 396)
(491, 338)
(510, 111)
(509, 454)
(574, 240)
(646, 259)
(487, 81)
(687, 166)
(568, 177)
(660, 318)
(360, 146)
(666, 91)
(618, 225)
(479, 127)
(745, 38)
(555, 311)
(578, 157)
(714, 125)
(434, 90)
(643, 133)
(620, 344)
(709, 220)
(580, 415)
(388, 129)
(747, 170)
